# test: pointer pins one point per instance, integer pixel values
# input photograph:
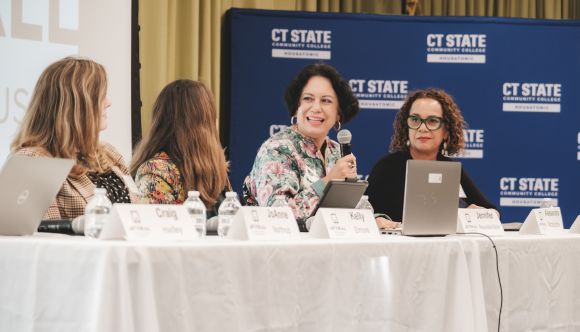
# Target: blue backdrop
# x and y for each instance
(516, 81)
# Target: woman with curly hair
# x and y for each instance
(429, 126)
(297, 162)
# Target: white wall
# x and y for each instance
(35, 33)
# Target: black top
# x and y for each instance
(387, 185)
(116, 190)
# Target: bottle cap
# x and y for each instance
(193, 193)
(231, 194)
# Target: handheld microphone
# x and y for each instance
(344, 137)
(63, 226)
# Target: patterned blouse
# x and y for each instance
(289, 164)
(160, 182)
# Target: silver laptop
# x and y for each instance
(27, 187)
(431, 198)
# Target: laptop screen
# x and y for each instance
(27, 187)
(431, 197)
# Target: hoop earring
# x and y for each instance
(339, 126)
(444, 150)
(293, 120)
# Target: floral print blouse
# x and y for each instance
(159, 180)
(289, 164)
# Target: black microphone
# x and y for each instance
(62, 226)
(344, 137)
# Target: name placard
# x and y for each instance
(575, 228)
(545, 221)
(344, 224)
(149, 222)
(478, 221)
(264, 223)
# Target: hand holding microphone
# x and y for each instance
(346, 166)
(344, 137)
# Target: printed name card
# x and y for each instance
(575, 228)
(344, 224)
(149, 222)
(478, 221)
(545, 221)
(264, 223)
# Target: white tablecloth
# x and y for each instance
(540, 277)
(393, 284)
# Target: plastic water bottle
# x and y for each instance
(97, 213)
(364, 204)
(226, 213)
(547, 203)
(194, 205)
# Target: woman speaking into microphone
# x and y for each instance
(296, 163)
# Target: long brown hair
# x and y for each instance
(184, 126)
(452, 120)
(64, 113)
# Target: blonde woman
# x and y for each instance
(182, 151)
(67, 111)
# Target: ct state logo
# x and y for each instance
(456, 48)
(301, 43)
(532, 97)
(379, 94)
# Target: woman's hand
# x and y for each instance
(345, 167)
(387, 224)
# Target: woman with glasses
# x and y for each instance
(429, 126)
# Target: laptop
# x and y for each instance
(28, 185)
(431, 198)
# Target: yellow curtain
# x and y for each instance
(544, 9)
(182, 38)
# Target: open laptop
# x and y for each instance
(431, 198)
(27, 187)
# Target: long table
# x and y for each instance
(395, 283)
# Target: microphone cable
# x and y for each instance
(498, 276)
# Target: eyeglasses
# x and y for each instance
(431, 123)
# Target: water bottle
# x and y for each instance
(547, 203)
(97, 213)
(364, 204)
(226, 213)
(194, 205)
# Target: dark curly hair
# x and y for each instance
(348, 103)
(452, 120)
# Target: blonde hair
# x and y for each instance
(184, 126)
(64, 114)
